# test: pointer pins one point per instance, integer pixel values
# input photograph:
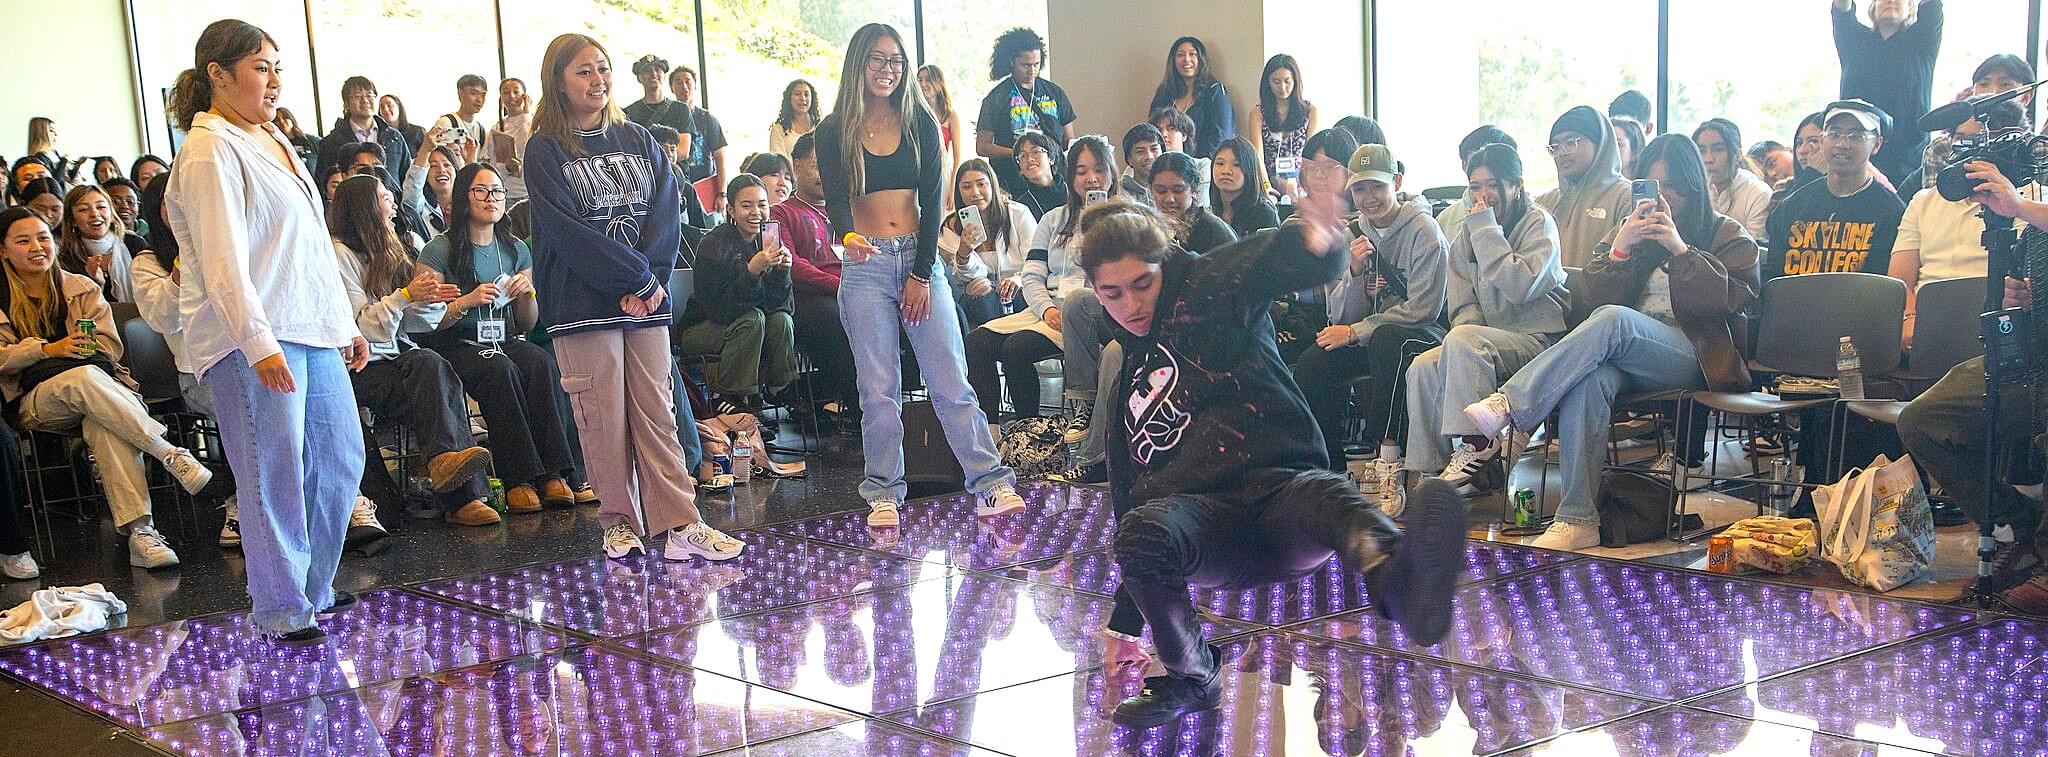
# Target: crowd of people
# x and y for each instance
(1200, 291)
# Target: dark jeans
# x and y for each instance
(1018, 354)
(13, 494)
(974, 310)
(516, 387)
(420, 390)
(1287, 530)
(1325, 378)
(820, 335)
(1943, 429)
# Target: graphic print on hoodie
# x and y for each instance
(612, 189)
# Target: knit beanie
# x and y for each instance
(1583, 121)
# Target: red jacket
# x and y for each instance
(808, 235)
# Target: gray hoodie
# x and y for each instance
(1410, 254)
(1589, 209)
(1506, 280)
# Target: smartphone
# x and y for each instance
(449, 137)
(1644, 189)
(1094, 196)
(971, 216)
(771, 235)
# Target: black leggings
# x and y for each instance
(1325, 377)
(1018, 354)
(515, 386)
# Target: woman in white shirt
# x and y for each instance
(994, 247)
(507, 141)
(798, 117)
(269, 330)
(1731, 188)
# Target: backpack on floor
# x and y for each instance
(1034, 447)
(1635, 507)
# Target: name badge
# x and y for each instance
(490, 330)
(1597, 213)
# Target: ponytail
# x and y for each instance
(223, 43)
(190, 96)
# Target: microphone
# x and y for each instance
(1954, 114)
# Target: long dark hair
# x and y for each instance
(461, 251)
(223, 43)
(135, 168)
(40, 317)
(1170, 87)
(1506, 165)
(162, 240)
(2013, 66)
(1097, 145)
(354, 221)
(1254, 193)
(1685, 175)
(788, 116)
(1801, 173)
(851, 106)
(1731, 139)
(1297, 111)
(997, 220)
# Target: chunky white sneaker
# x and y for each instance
(364, 515)
(190, 473)
(147, 549)
(1491, 415)
(1385, 473)
(882, 512)
(20, 567)
(1467, 462)
(231, 526)
(620, 542)
(1392, 496)
(1568, 536)
(1667, 466)
(1001, 498)
(699, 540)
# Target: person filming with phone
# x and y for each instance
(742, 309)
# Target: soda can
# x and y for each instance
(87, 327)
(724, 463)
(1524, 502)
(1721, 554)
(497, 495)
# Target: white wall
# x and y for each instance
(69, 61)
(1109, 56)
(1327, 40)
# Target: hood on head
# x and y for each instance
(1590, 123)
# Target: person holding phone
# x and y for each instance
(743, 308)
(983, 243)
(1658, 307)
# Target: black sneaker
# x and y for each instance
(1085, 473)
(1947, 514)
(1420, 580)
(303, 637)
(342, 601)
(1167, 698)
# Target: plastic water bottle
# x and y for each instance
(742, 462)
(1849, 371)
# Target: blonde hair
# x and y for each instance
(851, 107)
(39, 139)
(551, 112)
(942, 106)
(70, 240)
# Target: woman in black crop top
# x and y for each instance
(882, 162)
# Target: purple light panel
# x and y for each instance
(1057, 520)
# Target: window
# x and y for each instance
(664, 28)
(756, 47)
(410, 49)
(1441, 74)
(168, 31)
(1327, 41)
(960, 35)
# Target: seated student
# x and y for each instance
(24, 171)
(1772, 162)
(1505, 297)
(985, 258)
(1171, 184)
(1736, 192)
(1452, 219)
(15, 561)
(1628, 143)
(1661, 296)
(514, 382)
(94, 243)
(1848, 222)
(1383, 311)
(1591, 197)
(1175, 129)
(402, 382)
(741, 309)
(693, 206)
(1038, 161)
(1236, 176)
(1142, 144)
(814, 275)
(1216, 470)
(774, 172)
(127, 201)
(430, 181)
(44, 196)
(69, 381)
(146, 168)
(1938, 239)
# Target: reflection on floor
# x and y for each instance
(965, 636)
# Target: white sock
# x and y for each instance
(1390, 451)
(162, 450)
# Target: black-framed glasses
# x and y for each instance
(878, 62)
(487, 193)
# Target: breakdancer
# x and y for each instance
(1216, 467)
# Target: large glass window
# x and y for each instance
(167, 31)
(756, 47)
(410, 49)
(1441, 73)
(665, 28)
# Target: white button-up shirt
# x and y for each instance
(254, 249)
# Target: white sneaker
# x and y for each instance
(1002, 498)
(20, 567)
(1667, 466)
(620, 542)
(882, 512)
(699, 540)
(1568, 536)
(1385, 473)
(1491, 415)
(231, 526)
(1393, 493)
(364, 515)
(190, 473)
(147, 549)
(1467, 462)
(2002, 533)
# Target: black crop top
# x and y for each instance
(900, 170)
(897, 170)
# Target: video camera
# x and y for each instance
(2004, 142)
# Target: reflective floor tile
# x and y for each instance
(868, 738)
(1980, 691)
(1662, 634)
(618, 598)
(1679, 731)
(896, 648)
(585, 701)
(204, 666)
(1284, 695)
(1057, 520)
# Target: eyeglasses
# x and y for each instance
(1849, 135)
(1032, 153)
(1568, 143)
(1323, 164)
(885, 63)
(487, 193)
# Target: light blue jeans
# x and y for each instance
(297, 459)
(1473, 362)
(871, 309)
(1616, 350)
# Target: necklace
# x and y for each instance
(872, 126)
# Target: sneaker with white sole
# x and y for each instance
(882, 512)
(1467, 462)
(1491, 415)
(700, 540)
(1666, 465)
(1392, 496)
(231, 525)
(1383, 472)
(190, 473)
(20, 567)
(1001, 498)
(620, 542)
(1078, 418)
(147, 549)
(1569, 537)
(364, 515)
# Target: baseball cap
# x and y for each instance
(1372, 163)
(1872, 117)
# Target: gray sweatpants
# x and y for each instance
(1472, 363)
(618, 382)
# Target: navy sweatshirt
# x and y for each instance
(605, 225)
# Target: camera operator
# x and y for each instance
(1943, 429)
